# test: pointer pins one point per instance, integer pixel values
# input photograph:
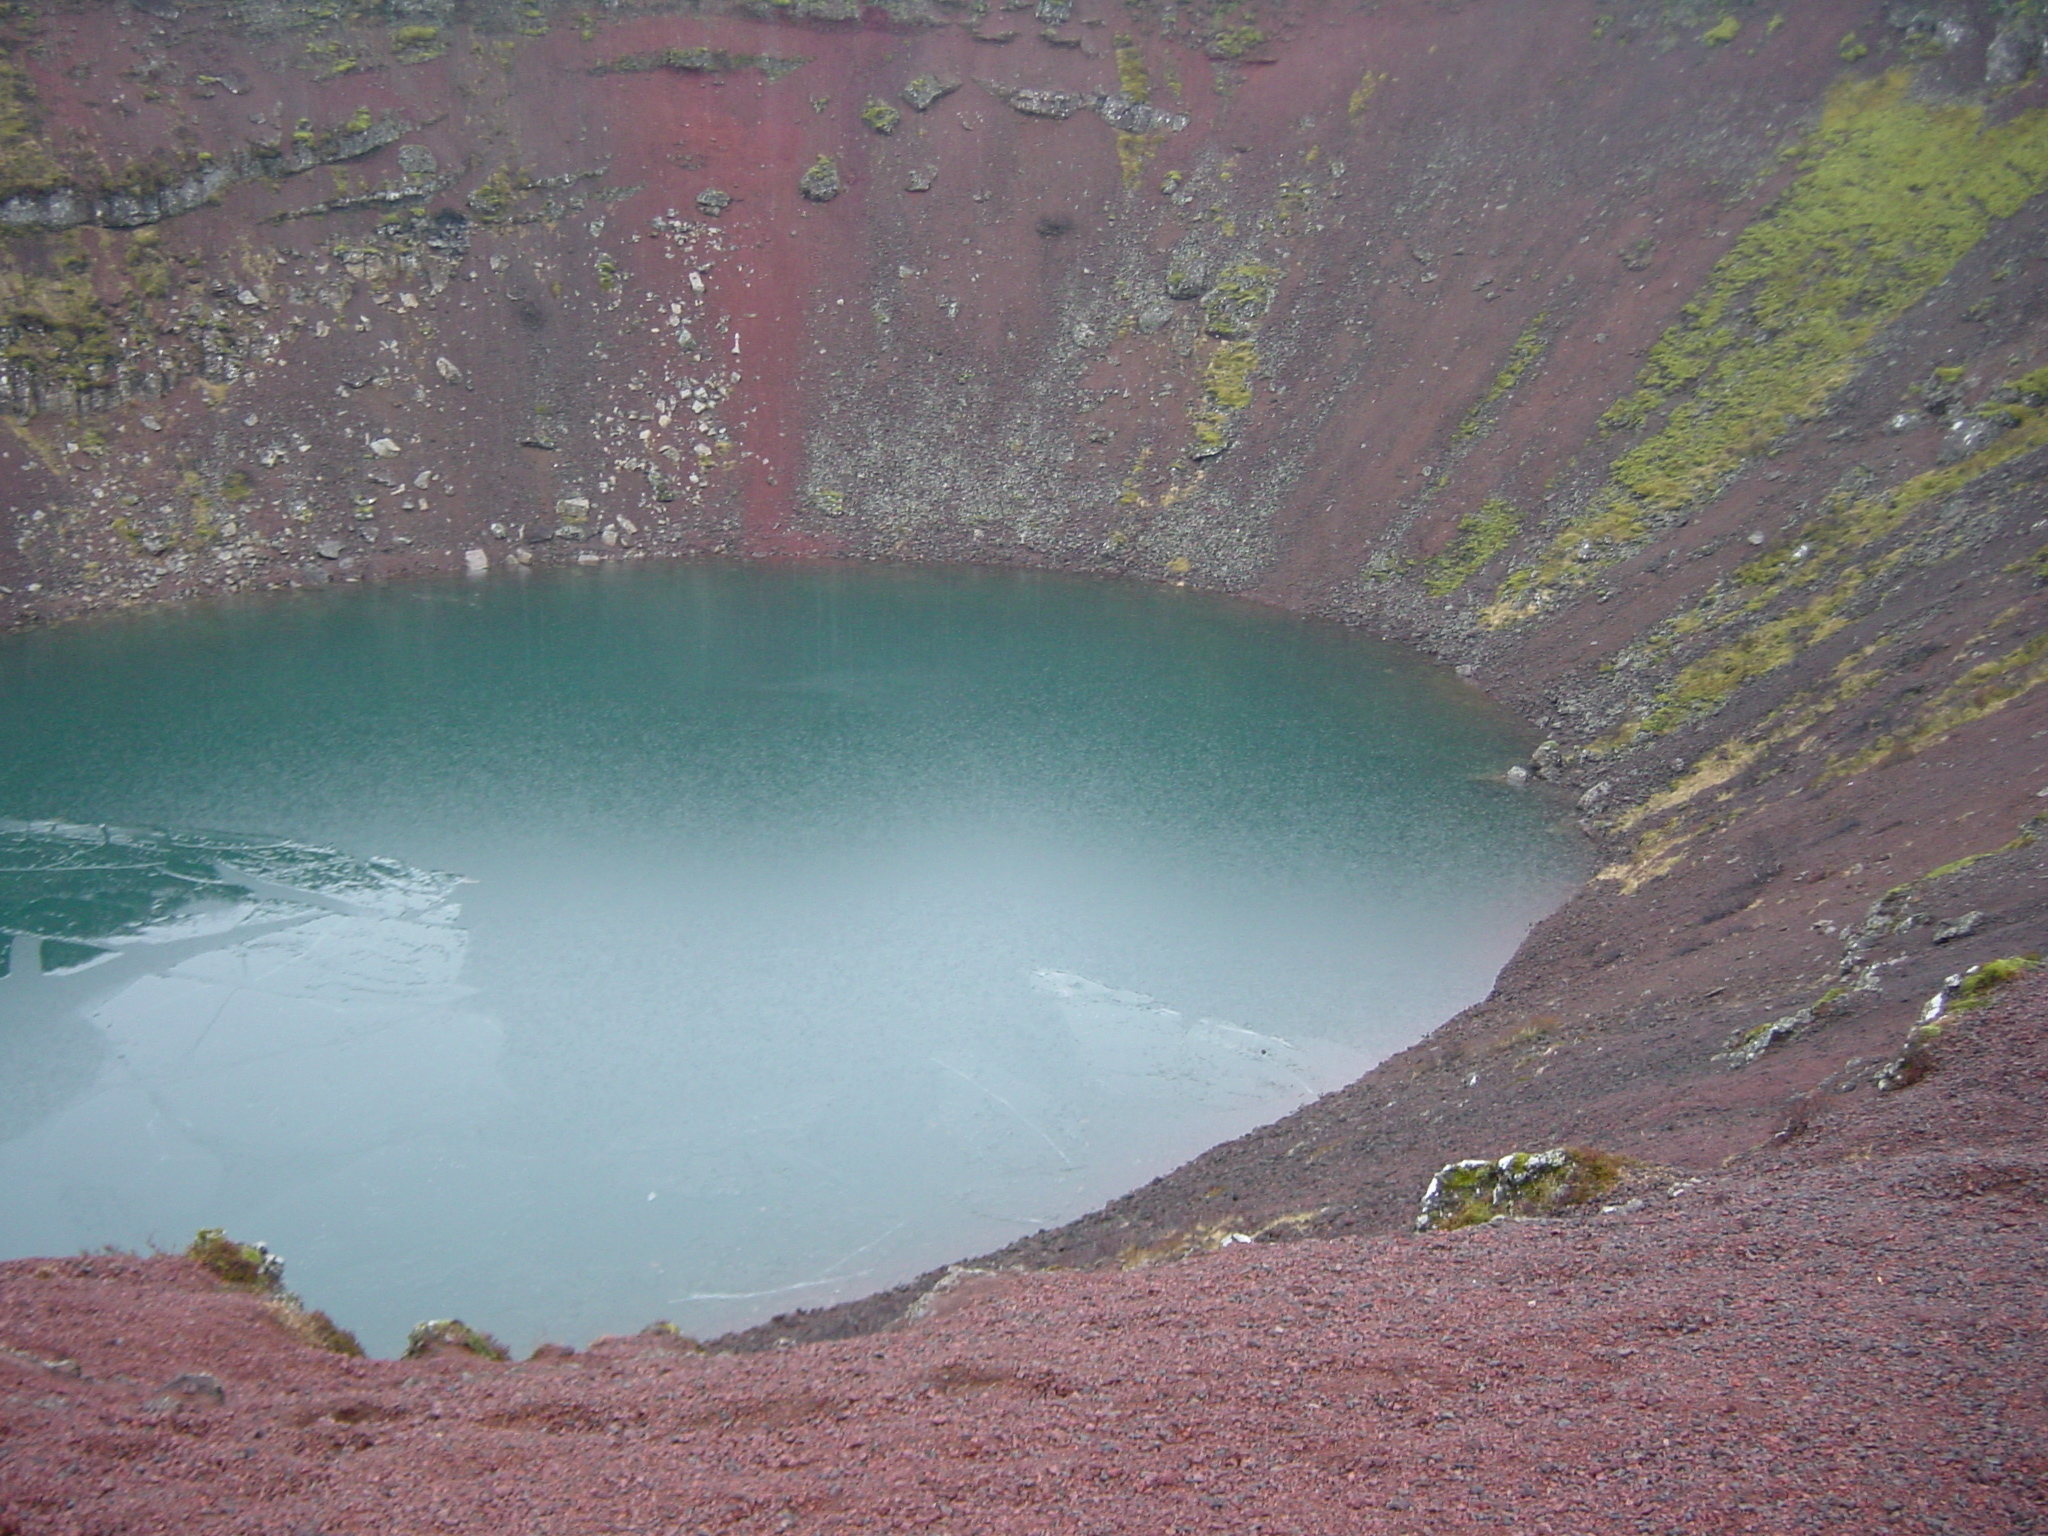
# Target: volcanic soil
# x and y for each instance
(1841, 1329)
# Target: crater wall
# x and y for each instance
(1677, 371)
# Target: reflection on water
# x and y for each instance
(809, 930)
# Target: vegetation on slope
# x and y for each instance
(1894, 192)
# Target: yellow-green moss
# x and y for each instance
(1368, 87)
(492, 198)
(56, 329)
(1721, 32)
(25, 162)
(1235, 42)
(1850, 49)
(1131, 76)
(1985, 688)
(416, 45)
(1707, 683)
(1527, 348)
(1819, 553)
(700, 61)
(1895, 191)
(1481, 535)
(431, 1338)
(1239, 298)
(246, 1266)
(1132, 151)
(1226, 390)
(1957, 866)
(880, 116)
(1227, 383)
(1980, 981)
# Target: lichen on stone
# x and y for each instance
(926, 91)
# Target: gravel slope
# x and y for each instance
(1840, 1330)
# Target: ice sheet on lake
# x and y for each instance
(265, 1014)
(1137, 1047)
(119, 886)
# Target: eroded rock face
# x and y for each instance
(1584, 388)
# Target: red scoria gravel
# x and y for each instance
(1840, 1331)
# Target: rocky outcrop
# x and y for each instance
(158, 195)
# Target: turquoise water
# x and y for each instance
(700, 942)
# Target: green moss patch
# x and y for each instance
(1239, 298)
(1481, 535)
(1894, 192)
(452, 1335)
(699, 61)
(1527, 348)
(1226, 390)
(1979, 982)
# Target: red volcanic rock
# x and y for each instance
(1841, 1330)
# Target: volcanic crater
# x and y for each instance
(1677, 371)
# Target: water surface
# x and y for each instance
(701, 942)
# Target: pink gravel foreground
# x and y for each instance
(1841, 1331)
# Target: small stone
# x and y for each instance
(711, 202)
(385, 448)
(475, 561)
(923, 92)
(1058, 105)
(1965, 438)
(1187, 279)
(1754, 538)
(328, 549)
(1518, 774)
(447, 369)
(192, 1390)
(1961, 928)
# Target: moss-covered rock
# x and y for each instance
(448, 1335)
(821, 183)
(1477, 1190)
